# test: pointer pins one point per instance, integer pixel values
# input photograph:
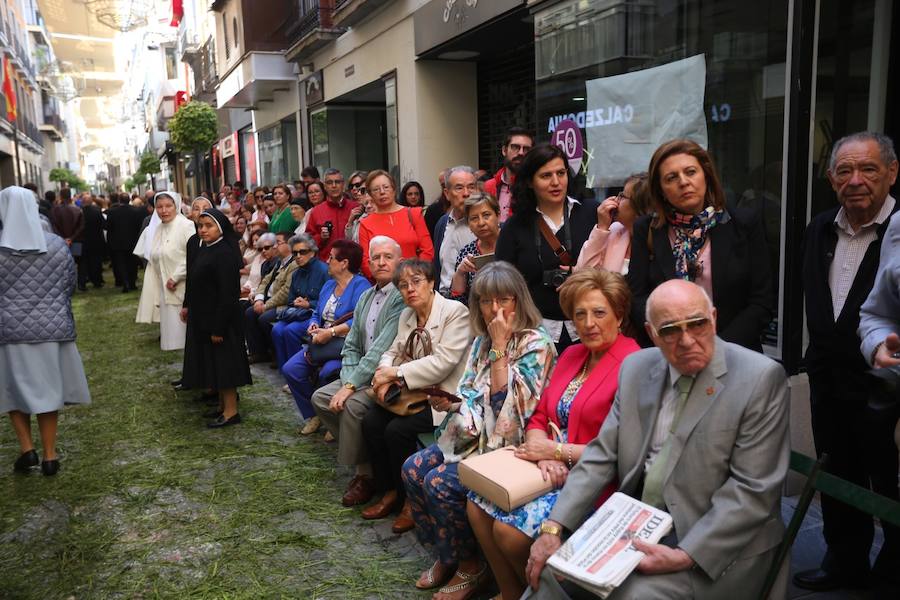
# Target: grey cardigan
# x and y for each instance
(35, 294)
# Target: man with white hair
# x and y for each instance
(699, 428)
(342, 404)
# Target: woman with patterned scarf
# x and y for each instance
(693, 236)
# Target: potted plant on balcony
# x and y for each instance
(194, 129)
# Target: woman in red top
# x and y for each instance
(403, 224)
(576, 401)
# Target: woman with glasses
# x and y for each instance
(609, 245)
(483, 215)
(282, 221)
(404, 224)
(576, 401)
(356, 184)
(508, 365)
(338, 297)
(412, 194)
(546, 221)
(693, 236)
(440, 330)
(303, 298)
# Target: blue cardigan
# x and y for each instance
(307, 282)
(346, 303)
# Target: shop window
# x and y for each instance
(744, 48)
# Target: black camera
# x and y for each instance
(330, 226)
(555, 277)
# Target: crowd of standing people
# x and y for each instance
(615, 344)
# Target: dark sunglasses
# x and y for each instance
(354, 186)
(301, 252)
(267, 247)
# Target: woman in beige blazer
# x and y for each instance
(391, 439)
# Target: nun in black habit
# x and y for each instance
(214, 356)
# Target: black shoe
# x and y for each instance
(819, 580)
(26, 461)
(82, 288)
(221, 421)
(180, 388)
(50, 467)
(212, 414)
(125, 290)
(175, 383)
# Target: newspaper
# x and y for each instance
(599, 556)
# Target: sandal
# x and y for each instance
(470, 581)
(429, 577)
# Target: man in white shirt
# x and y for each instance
(452, 231)
(841, 259)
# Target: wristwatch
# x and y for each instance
(548, 527)
(495, 354)
(400, 374)
(350, 386)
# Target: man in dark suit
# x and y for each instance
(90, 267)
(840, 261)
(123, 224)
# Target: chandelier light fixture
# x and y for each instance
(121, 15)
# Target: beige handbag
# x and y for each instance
(505, 480)
(401, 400)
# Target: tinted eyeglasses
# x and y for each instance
(671, 332)
(266, 247)
(303, 252)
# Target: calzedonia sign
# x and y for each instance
(440, 21)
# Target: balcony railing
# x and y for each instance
(310, 20)
(207, 74)
(188, 40)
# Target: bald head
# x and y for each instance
(681, 321)
(674, 289)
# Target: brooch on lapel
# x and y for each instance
(710, 391)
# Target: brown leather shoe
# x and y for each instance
(360, 491)
(404, 521)
(382, 508)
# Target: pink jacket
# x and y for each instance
(605, 249)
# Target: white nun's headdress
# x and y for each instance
(22, 230)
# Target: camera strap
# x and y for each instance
(565, 259)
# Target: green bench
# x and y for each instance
(818, 480)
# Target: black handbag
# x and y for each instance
(319, 354)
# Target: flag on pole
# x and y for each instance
(9, 90)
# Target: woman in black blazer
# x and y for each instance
(692, 236)
(541, 189)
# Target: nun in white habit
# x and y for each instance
(40, 367)
(163, 244)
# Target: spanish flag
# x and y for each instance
(9, 90)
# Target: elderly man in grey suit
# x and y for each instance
(342, 404)
(699, 428)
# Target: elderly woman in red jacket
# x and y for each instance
(575, 402)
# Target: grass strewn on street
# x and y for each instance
(150, 504)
